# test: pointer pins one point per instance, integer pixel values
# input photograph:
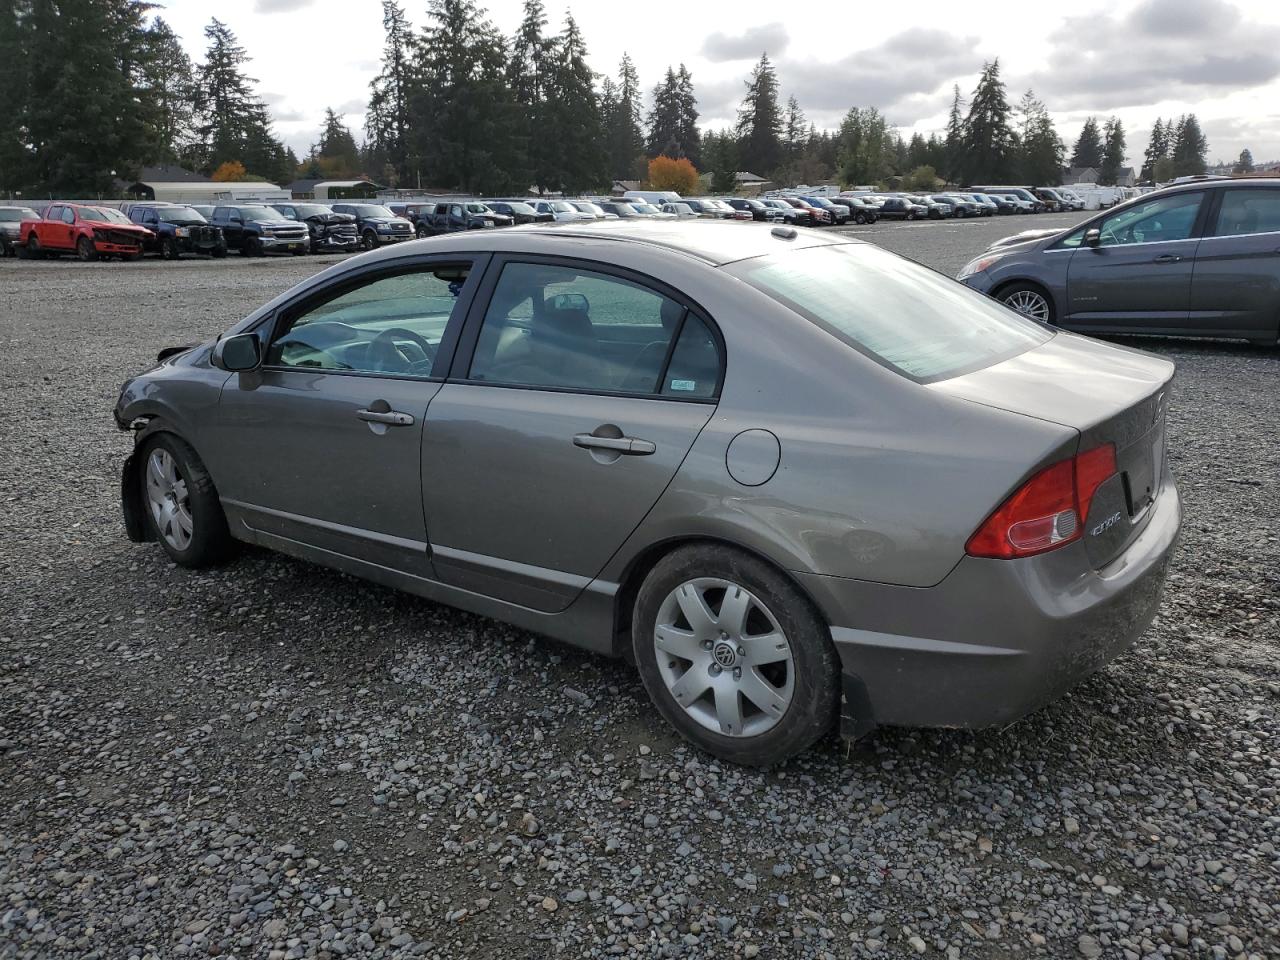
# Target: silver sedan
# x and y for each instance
(797, 479)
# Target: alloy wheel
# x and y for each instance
(1030, 303)
(168, 499)
(723, 657)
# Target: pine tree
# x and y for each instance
(528, 67)
(760, 122)
(861, 147)
(954, 143)
(15, 43)
(1157, 149)
(1189, 148)
(168, 92)
(1244, 164)
(1088, 149)
(988, 139)
(624, 143)
(387, 116)
(690, 138)
(664, 119)
(720, 154)
(1112, 152)
(336, 151)
(574, 124)
(1040, 149)
(233, 123)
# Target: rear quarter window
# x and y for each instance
(906, 317)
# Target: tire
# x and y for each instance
(31, 249)
(6, 249)
(169, 249)
(219, 251)
(860, 219)
(181, 505)
(253, 248)
(422, 232)
(1024, 297)
(801, 683)
(86, 250)
(368, 240)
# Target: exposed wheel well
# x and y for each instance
(650, 557)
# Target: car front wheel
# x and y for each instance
(1028, 300)
(368, 240)
(181, 503)
(734, 656)
(86, 250)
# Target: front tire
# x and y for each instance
(182, 506)
(169, 249)
(368, 240)
(734, 656)
(1029, 300)
(86, 250)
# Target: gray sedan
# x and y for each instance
(794, 477)
(1201, 259)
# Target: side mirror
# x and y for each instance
(237, 354)
(1093, 237)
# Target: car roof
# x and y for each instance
(715, 242)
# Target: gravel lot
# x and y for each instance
(273, 760)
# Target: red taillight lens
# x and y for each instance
(1047, 511)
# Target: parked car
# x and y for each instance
(1003, 205)
(417, 213)
(87, 231)
(204, 209)
(960, 208)
(817, 216)
(933, 209)
(255, 229)
(791, 214)
(900, 208)
(859, 210)
(177, 230)
(329, 232)
(1200, 260)
(642, 210)
(1031, 203)
(519, 211)
(1053, 201)
(655, 198)
(597, 211)
(838, 213)
(681, 211)
(562, 211)
(756, 208)
(707, 208)
(1073, 198)
(11, 227)
(986, 207)
(727, 210)
(377, 224)
(618, 208)
(1010, 540)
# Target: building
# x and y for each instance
(334, 189)
(622, 186)
(199, 189)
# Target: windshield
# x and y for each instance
(587, 207)
(563, 206)
(103, 214)
(179, 215)
(371, 210)
(18, 213)
(260, 214)
(516, 207)
(907, 317)
(644, 209)
(305, 210)
(477, 208)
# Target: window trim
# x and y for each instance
(1209, 199)
(459, 369)
(269, 327)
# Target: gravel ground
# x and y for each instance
(273, 760)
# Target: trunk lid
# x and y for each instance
(1109, 394)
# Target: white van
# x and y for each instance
(656, 197)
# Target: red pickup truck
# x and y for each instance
(88, 232)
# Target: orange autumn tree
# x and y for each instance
(232, 171)
(667, 173)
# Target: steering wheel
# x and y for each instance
(390, 357)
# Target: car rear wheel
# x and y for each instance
(734, 656)
(31, 249)
(86, 250)
(181, 503)
(1029, 300)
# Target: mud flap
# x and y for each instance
(856, 718)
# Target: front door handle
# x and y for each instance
(628, 446)
(390, 417)
(1166, 258)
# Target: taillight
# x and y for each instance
(1048, 511)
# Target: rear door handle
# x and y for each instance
(1166, 258)
(391, 417)
(628, 446)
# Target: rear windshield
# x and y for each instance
(907, 317)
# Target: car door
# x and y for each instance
(322, 445)
(1138, 276)
(151, 220)
(232, 226)
(542, 453)
(1235, 290)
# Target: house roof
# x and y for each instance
(302, 186)
(169, 173)
(742, 176)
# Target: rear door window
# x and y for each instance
(904, 316)
(1247, 211)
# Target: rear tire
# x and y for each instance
(729, 672)
(31, 249)
(182, 507)
(1029, 300)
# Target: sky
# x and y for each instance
(1135, 59)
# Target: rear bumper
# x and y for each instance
(996, 639)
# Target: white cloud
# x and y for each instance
(770, 38)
